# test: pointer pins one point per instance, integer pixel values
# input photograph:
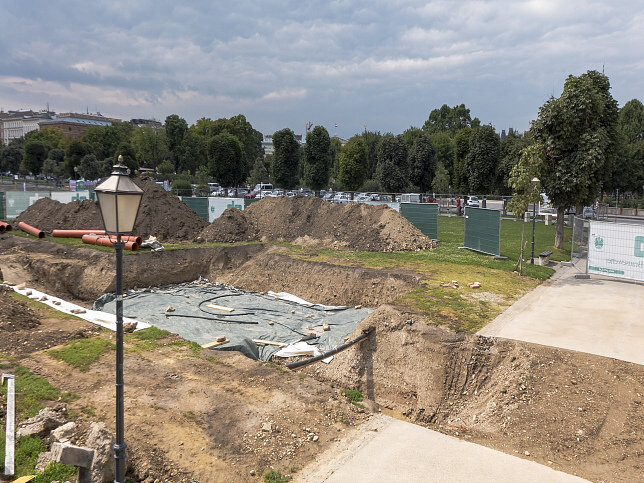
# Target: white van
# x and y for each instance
(263, 187)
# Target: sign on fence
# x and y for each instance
(19, 201)
(616, 250)
(218, 205)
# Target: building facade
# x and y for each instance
(16, 124)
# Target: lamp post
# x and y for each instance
(535, 183)
(118, 200)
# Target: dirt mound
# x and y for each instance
(314, 222)
(161, 214)
(15, 315)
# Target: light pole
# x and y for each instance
(118, 200)
(535, 184)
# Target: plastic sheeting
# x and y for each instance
(253, 316)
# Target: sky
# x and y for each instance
(383, 65)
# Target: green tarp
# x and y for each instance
(423, 216)
(483, 230)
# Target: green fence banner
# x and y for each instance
(2, 210)
(483, 230)
(423, 216)
(198, 205)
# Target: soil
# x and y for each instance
(204, 419)
(314, 222)
(161, 214)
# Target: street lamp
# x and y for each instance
(535, 183)
(118, 200)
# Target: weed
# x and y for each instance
(190, 416)
(156, 407)
(81, 354)
(302, 377)
(88, 411)
(217, 360)
(55, 472)
(354, 396)
(68, 397)
(275, 476)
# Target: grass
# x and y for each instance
(277, 366)
(81, 354)
(31, 391)
(354, 396)
(42, 310)
(152, 338)
(26, 456)
(275, 476)
(88, 411)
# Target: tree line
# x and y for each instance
(452, 152)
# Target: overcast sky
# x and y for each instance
(383, 64)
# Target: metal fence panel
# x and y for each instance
(2, 203)
(198, 205)
(19, 201)
(69, 196)
(616, 250)
(483, 230)
(423, 216)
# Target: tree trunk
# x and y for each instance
(579, 210)
(559, 234)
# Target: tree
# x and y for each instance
(444, 151)
(461, 148)
(175, 130)
(193, 152)
(129, 156)
(91, 168)
(259, 173)
(181, 187)
(75, 152)
(576, 138)
(165, 169)
(353, 161)
(150, 145)
(411, 134)
(393, 171)
(422, 162)
(52, 138)
(482, 159)
(34, 155)
(511, 147)
(628, 170)
(11, 155)
(372, 140)
(106, 139)
(317, 158)
(57, 155)
(225, 156)
(440, 184)
(286, 159)
(449, 119)
(48, 167)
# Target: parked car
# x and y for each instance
(362, 197)
(306, 192)
(473, 201)
(341, 198)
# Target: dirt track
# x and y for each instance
(578, 413)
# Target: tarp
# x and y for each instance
(253, 316)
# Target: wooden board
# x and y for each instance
(214, 344)
(269, 342)
(220, 307)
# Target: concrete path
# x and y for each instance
(389, 450)
(600, 315)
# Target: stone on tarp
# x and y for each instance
(41, 424)
(102, 442)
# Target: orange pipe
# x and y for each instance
(106, 242)
(76, 233)
(31, 230)
(132, 238)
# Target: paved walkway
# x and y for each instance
(600, 315)
(388, 450)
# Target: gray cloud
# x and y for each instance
(383, 64)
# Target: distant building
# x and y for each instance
(74, 124)
(267, 143)
(16, 124)
(146, 122)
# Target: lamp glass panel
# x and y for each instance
(128, 207)
(107, 202)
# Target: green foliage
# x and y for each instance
(75, 153)
(444, 151)
(31, 391)
(104, 140)
(286, 159)
(511, 147)
(82, 353)
(175, 130)
(126, 150)
(317, 158)
(449, 120)
(165, 169)
(482, 159)
(226, 159)
(51, 138)
(371, 139)
(461, 148)
(440, 183)
(353, 163)
(422, 161)
(48, 167)
(11, 155)
(259, 173)
(150, 145)
(150, 334)
(181, 187)
(35, 153)
(55, 472)
(393, 170)
(27, 450)
(192, 153)
(353, 395)
(524, 191)
(275, 476)
(91, 168)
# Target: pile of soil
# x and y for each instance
(161, 214)
(313, 222)
(15, 315)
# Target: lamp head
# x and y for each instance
(119, 200)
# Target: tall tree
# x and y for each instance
(150, 145)
(628, 170)
(372, 140)
(576, 136)
(90, 168)
(353, 159)
(193, 152)
(393, 170)
(441, 182)
(226, 159)
(34, 155)
(286, 159)
(11, 155)
(105, 139)
(422, 162)
(317, 158)
(461, 148)
(482, 159)
(75, 152)
(511, 147)
(129, 156)
(175, 130)
(449, 119)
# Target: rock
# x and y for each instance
(72, 455)
(101, 441)
(64, 432)
(267, 427)
(21, 286)
(78, 311)
(326, 327)
(527, 453)
(56, 302)
(315, 438)
(46, 420)
(170, 308)
(129, 327)
(44, 459)
(270, 322)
